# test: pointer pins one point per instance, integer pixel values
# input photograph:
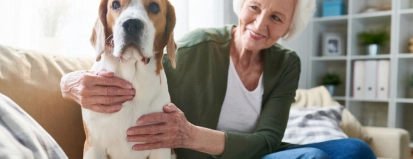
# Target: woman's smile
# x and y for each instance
(255, 35)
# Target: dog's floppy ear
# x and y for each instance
(99, 33)
(170, 25)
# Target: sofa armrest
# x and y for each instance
(389, 142)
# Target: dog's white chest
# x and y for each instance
(107, 132)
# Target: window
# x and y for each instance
(64, 26)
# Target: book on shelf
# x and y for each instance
(383, 67)
(371, 79)
(358, 79)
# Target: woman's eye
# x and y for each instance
(154, 8)
(276, 18)
(254, 7)
(115, 5)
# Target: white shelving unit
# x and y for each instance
(397, 110)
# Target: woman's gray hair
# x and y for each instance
(304, 10)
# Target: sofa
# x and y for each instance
(32, 79)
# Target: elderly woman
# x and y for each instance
(233, 86)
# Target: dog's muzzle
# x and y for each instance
(133, 31)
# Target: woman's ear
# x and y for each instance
(100, 31)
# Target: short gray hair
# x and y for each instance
(304, 10)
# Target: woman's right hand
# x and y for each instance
(98, 91)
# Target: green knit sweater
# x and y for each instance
(198, 86)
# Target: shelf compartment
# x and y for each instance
(405, 32)
(319, 10)
(403, 72)
(359, 6)
(370, 113)
(320, 68)
(320, 28)
(406, 5)
(404, 117)
(369, 24)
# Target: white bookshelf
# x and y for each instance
(397, 110)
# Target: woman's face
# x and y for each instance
(263, 22)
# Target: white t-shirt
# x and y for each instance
(241, 108)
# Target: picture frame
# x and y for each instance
(333, 44)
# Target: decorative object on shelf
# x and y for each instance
(333, 8)
(333, 44)
(383, 5)
(375, 9)
(411, 45)
(330, 81)
(373, 40)
(410, 86)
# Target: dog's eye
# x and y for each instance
(154, 8)
(116, 5)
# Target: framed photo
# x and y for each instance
(333, 44)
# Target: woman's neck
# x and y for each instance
(241, 56)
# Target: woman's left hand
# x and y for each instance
(172, 130)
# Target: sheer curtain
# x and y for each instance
(64, 26)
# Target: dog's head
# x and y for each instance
(137, 29)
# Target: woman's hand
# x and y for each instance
(98, 91)
(171, 130)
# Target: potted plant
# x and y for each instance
(373, 40)
(330, 81)
(410, 86)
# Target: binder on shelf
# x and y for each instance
(383, 67)
(358, 79)
(370, 79)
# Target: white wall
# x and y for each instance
(300, 45)
(193, 14)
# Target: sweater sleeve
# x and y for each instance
(273, 119)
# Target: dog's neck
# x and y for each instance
(128, 69)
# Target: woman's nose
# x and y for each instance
(261, 21)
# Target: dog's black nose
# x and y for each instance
(133, 27)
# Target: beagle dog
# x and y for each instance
(129, 38)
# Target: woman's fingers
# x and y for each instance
(152, 129)
(110, 81)
(154, 118)
(170, 108)
(153, 141)
(112, 91)
(105, 73)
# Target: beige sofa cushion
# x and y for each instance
(32, 80)
(320, 97)
(352, 127)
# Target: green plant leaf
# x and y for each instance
(378, 37)
(330, 79)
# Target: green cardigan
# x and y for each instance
(198, 86)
